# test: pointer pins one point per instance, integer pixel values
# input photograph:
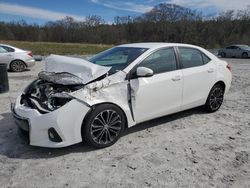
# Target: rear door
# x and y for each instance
(5, 56)
(234, 51)
(160, 94)
(198, 76)
(237, 52)
(229, 51)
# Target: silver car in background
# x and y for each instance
(17, 60)
(242, 51)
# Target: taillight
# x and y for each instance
(229, 67)
(30, 54)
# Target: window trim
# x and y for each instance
(130, 74)
(202, 55)
(230, 47)
(180, 59)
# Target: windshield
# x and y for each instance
(118, 58)
(244, 47)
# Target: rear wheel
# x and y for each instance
(17, 66)
(244, 55)
(215, 98)
(104, 126)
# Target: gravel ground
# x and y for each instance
(188, 149)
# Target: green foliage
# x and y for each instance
(46, 48)
(164, 23)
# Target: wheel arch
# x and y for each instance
(102, 103)
(222, 83)
(18, 60)
(207, 105)
(245, 52)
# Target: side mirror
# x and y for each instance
(144, 72)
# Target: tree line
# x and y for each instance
(164, 23)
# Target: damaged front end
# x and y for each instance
(63, 95)
(53, 87)
(50, 91)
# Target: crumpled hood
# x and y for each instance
(81, 68)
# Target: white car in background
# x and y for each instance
(240, 50)
(17, 60)
(76, 100)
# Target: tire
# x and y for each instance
(214, 99)
(17, 66)
(244, 55)
(223, 54)
(103, 126)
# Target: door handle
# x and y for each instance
(210, 70)
(176, 78)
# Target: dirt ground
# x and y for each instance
(188, 149)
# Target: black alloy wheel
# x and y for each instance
(215, 98)
(104, 126)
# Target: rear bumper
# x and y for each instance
(30, 62)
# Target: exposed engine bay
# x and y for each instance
(54, 86)
(50, 91)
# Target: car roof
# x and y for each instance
(7, 45)
(152, 45)
(238, 45)
(16, 49)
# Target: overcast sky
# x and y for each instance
(41, 11)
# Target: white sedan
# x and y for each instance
(94, 101)
(16, 59)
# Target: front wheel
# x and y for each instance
(103, 126)
(215, 98)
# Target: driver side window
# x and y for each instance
(160, 61)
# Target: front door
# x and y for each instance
(160, 94)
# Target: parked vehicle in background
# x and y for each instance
(77, 100)
(16, 59)
(239, 50)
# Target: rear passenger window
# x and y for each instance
(192, 57)
(205, 58)
(161, 61)
(8, 49)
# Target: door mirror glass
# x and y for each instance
(144, 72)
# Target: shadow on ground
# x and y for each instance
(12, 146)
(25, 70)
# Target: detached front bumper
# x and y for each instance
(59, 128)
(22, 125)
